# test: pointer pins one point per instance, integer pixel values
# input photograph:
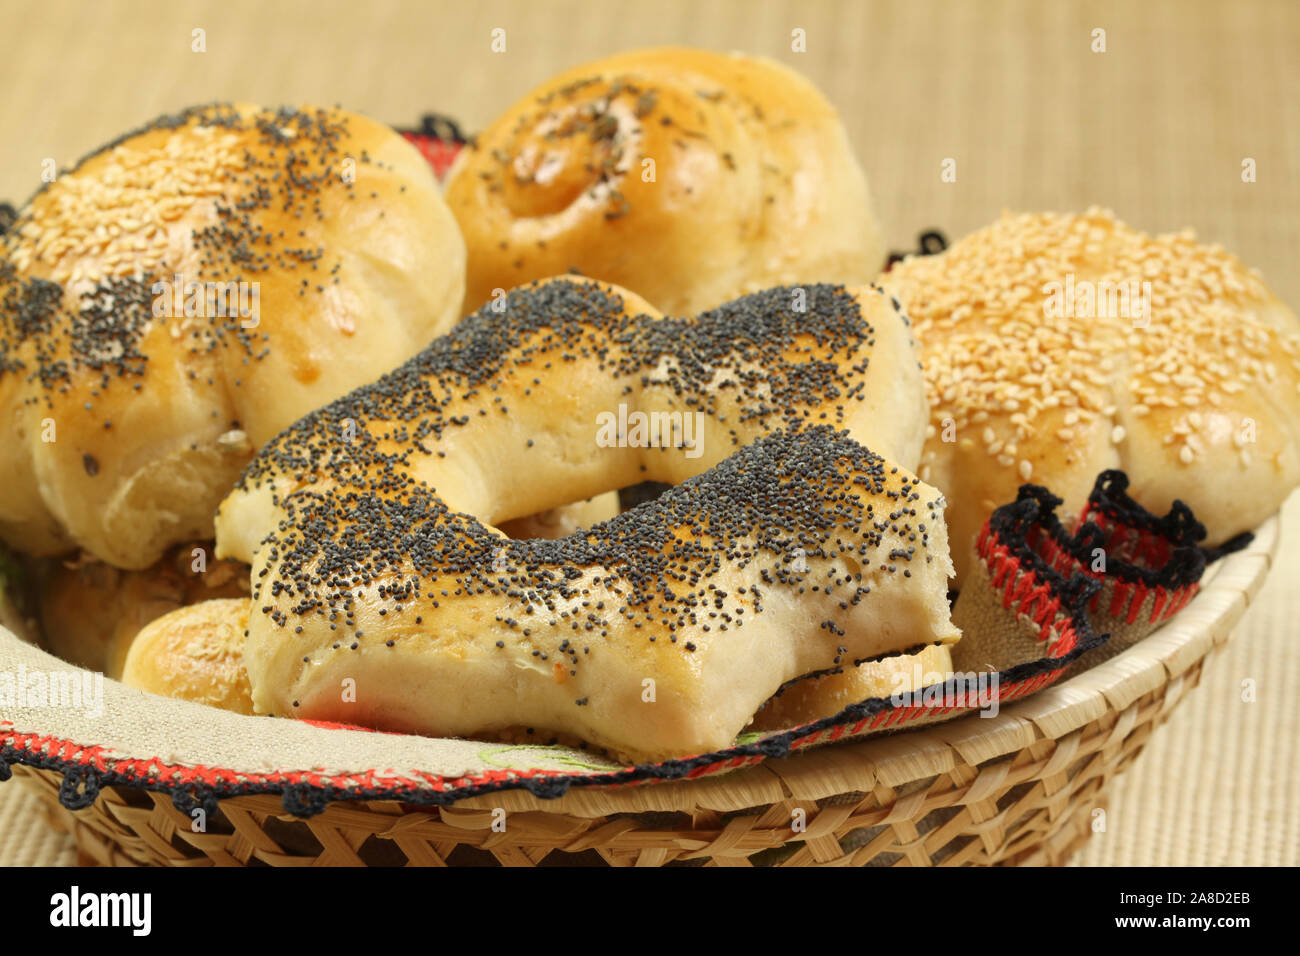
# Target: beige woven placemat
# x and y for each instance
(1219, 784)
(1156, 127)
(25, 839)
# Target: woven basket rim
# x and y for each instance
(905, 756)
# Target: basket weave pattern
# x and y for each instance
(1021, 788)
(1034, 808)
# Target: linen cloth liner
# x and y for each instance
(1034, 619)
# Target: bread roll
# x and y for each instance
(825, 695)
(183, 294)
(371, 563)
(1047, 361)
(687, 176)
(91, 611)
(578, 387)
(194, 653)
(653, 638)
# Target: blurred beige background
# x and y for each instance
(1156, 128)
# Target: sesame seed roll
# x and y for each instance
(1048, 360)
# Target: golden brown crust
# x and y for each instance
(1030, 380)
(509, 404)
(194, 653)
(183, 294)
(688, 176)
(652, 638)
(813, 698)
(372, 571)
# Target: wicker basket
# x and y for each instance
(1019, 788)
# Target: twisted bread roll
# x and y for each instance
(1047, 361)
(369, 571)
(183, 294)
(688, 176)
